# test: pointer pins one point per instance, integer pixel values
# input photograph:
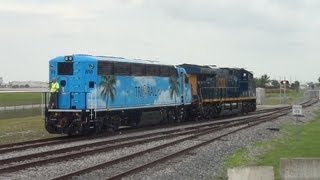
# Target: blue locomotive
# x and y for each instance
(105, 92)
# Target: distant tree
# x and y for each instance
(263, 81)
(311, 85)
(275, 83)
(27, 86)
(257, 80)
(296, 86)
(319, 79)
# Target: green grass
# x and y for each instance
(297, 141)
(20, 113)
(292, 97)
(22, 129)
(20, 98)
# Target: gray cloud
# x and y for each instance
(270, 16)
(261, 35)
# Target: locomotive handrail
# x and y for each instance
(93, 106)
(217, 94)
(96, 104)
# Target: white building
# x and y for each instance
(261, 96)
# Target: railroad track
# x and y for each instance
(14, 164)
(241, 126)
(39, 159)
(4, 148)
(103, 146)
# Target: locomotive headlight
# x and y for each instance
(68, 58)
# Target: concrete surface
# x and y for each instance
(261, 96)
(300, 168)
(251, 173)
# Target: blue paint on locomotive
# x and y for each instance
(83, 88)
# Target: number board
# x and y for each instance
(297, 110)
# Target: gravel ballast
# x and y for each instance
(207, 162)
(203, 163)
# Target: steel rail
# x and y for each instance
(110, 163)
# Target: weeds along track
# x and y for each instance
(178, 135)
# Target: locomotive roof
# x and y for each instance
(87, 57)
(198, 69)
(237, 69)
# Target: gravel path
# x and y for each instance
(207, 162)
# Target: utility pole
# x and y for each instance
(280, 90)
(283, 85)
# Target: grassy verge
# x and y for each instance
(291, 98)
(297, 141)
(22, 129)
(20, 113)
(20, 98)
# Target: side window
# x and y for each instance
(121, 68)
(173, 72)
(105, 68)
(153, 70)
(165, 71)
(138, 69)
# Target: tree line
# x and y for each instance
(265, 82)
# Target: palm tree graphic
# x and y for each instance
(174, 87)
(108, 84)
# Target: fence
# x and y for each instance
(21, 107)
(20, 104)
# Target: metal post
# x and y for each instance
(285, 96)
(42, 99)
(91, 106)
(96, 104)
(280, 91)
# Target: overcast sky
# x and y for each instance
(278, 37)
